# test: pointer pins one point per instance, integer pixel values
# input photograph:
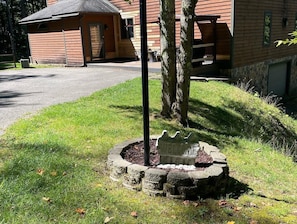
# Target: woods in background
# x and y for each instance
(13, 37)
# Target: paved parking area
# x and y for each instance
(25, 91)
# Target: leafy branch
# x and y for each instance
(288, 41)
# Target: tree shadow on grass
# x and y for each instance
(240, 121)
(30, 159)
(234, 188)
(128, 108)
(235, 121)
(220, 120)
(48, 147)
(265, 124)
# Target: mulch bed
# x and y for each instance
(135, 154)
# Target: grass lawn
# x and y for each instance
(17, 66)
(53, 165)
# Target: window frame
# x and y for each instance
(127, 28)
(267, 28)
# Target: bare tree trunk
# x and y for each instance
(185, 61)
(168, 53)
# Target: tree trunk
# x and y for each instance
(185, 61)
(168, 53)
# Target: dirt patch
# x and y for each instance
(135, 154)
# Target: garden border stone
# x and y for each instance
(175, 184)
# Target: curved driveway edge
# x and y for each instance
(26, 91)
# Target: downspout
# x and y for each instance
(116, 31)
(65, 47)
(64, 42)
(82, 39)
(232, 16)
(232, 33)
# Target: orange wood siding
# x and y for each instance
(73, 48)
(109, 33)
(153, 30)
(50, 2)
(59, 43)
(203, 7)
(47, 48)
(248, 30)
(216, 7)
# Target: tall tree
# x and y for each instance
(11, 11)
(168, 53)
(185, 61)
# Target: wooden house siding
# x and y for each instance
(110, 33)
(248, 45)
(73, 48)
(203, 7)
(47, 48)
(50, 2)
(57, 43)
(131, 47)
(216, 7)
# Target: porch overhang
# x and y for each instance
(53, 18)
(69, 8)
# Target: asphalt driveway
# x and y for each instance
(24, 92)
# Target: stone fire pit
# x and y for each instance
(204, 180)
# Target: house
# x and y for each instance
(72, 32)
(237, 39)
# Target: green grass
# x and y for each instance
(7, 66)
(17, 66)
(53, 165)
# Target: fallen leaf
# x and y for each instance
(54, 173)
(294, 212)
(231, 222)
(99, 185)
(108, 219)
(80, 211)
(134, 214)
(222, 203)
(48, 200)
(173, 216)
(237, 209)
(186, 202)
(253, 222)
(253, 205)
(40, 172)
(64, 173)
(196, 204)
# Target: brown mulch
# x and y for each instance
(135, 154)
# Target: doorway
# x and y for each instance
(278, 78)
(97, 41)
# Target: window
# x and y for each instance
(267, 29)
(127, 30)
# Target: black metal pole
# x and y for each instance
(145, 92)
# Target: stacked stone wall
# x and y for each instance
(257, 74)
(210, 182)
